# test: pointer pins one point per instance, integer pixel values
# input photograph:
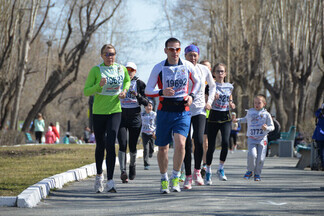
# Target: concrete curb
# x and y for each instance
(30, 197)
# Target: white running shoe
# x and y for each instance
(99, 184)
(188, 182)
(111, 186)
(175, 184)
(164, 186)
(221, 175)
(198, 178)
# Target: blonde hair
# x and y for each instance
(262, 97)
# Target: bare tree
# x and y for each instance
(295, 51)
(70, 53)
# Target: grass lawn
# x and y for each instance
(23, 166)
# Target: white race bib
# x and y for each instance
(130, 101)
(114, 75)
(176, 77)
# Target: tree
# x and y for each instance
(295, 51)
(70, 53)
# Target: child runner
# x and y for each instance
(148, 133)
(259, 124)
(219, 119)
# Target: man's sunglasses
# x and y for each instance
(173, 49)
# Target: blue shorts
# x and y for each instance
(171, 122)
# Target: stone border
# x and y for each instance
(30, 197)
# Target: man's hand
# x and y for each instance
(168, 91)
(188, 100)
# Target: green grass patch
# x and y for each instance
(23, 166)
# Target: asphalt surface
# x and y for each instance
(284, 190)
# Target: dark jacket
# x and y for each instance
(319, 130)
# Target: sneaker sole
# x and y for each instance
(199, 183)
(176, 190)
(124, 178)
(112, 190)
(165, 192)
(187, 187)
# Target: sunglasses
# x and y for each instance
(109, 54)
(130, 69)
(220, 71)
(173, 49)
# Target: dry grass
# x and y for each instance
(23, 166)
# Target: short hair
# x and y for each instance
(109, 46)
(171, 40)
(262, 97)
(204, 61)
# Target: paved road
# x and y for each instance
(284, 190)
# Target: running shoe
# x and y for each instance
(197, 177)
(248, 175)
(221, 175)
(164, 186)
(257, 178)
(208, 178)
(132, 172)
(146, 167)
(187, 183)
(203, 171)
(123, 177)
(175, 184)
(111, 186)
(99, 184)
(182, 177)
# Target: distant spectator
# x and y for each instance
(275, 134)
(50, 136)
(236, 127)
(66, 139)
(86, 134)
(92, 138)
(57, 134)
(39, 125)
(318, 135)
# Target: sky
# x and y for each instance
(148, 15)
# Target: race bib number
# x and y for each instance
(130, 101)
(224, 92)
(115, 77)
(176, 77)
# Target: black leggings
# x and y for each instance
(213, 129)
(106, 129)
(198, 123)
(233, 136)
(134, 133)
(38, 135)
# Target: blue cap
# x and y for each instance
(191, 48)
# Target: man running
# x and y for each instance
(172, 77)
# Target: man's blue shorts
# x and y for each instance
(171, 122)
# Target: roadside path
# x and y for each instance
(284, 190)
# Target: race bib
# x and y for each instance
(130, 101)
(176, 77)
(255, 126)
(224, 91)
(115, 77)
